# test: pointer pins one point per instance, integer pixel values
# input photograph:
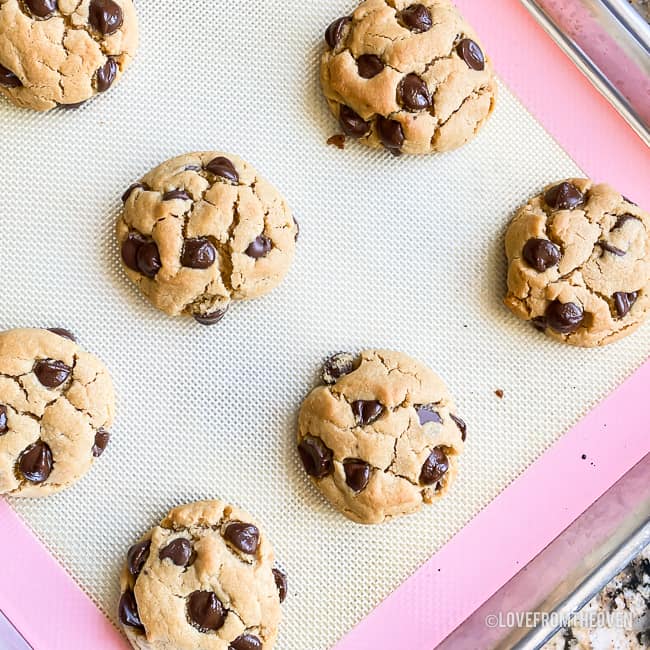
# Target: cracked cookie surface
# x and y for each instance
(56, 407)
(579, 263)
(204, 578)
(381, 436)
(63, 52)
(203, 230)
(410, 77)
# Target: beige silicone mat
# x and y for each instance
(401, 253)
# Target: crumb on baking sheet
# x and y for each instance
(337, 140)
(499, 393)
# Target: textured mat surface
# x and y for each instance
(399, 253)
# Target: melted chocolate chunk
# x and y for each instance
(128, 611)
(624, 302)
(435, 467)
(541, 254)
(564, 318)
(179, 551)
(36, 462)
(316, 457)
(357, 474)
(352, 123)
(366, 411)
(101, 441)
(205, 611)
(244, 537)
(564, 196)
(334, 32)
(281, 583)
(137, 556)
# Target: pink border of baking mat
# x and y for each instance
(53, 613)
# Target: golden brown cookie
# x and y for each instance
(63, 52)
(56, 407)
(380, 436)
(203, 230)
(410, 77)
(204, 578)
(579, 263)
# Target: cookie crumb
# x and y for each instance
(584, 456)
(499, 393)
(337, 140)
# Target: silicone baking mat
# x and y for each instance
(403, 253)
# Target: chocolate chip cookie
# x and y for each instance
(63, 52)
(203, 578)
(579, 263)
(56, 409)
(380, 436)
(412, 78)
(202, 230)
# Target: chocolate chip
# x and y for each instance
(541, 254)
(413, 93)
(137, 556)
(4, 427)
(316, 457)
(132, 188)
(73, 106)
(172, 195)
(245, 537)
(179, 551)
(470, 52)
(35, 463)
(297, 229)
(8, 79)
(499, 393)
(105, 16)
(564, 318)
(127, 611)
(351, 123)
(390, 133)
(212, 318)
(624, 301)
(101, 442)
(369, 66)
(461, 425)
(198, 253)
(366, 411)
(417, 18)
(246, 642)
(105, 76)
(623, 219)
(60, 331)
(205, 611)
(611, 249)
(539, 323)
(148, 259)
(224, 168)
(435, 467)
(51, 373)
(564, 196)
(130, 247)
(334, 32)
(357, 474)
(281, 583)
(41, 8)
(427, 414)
(338, 365)
(259, 247)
